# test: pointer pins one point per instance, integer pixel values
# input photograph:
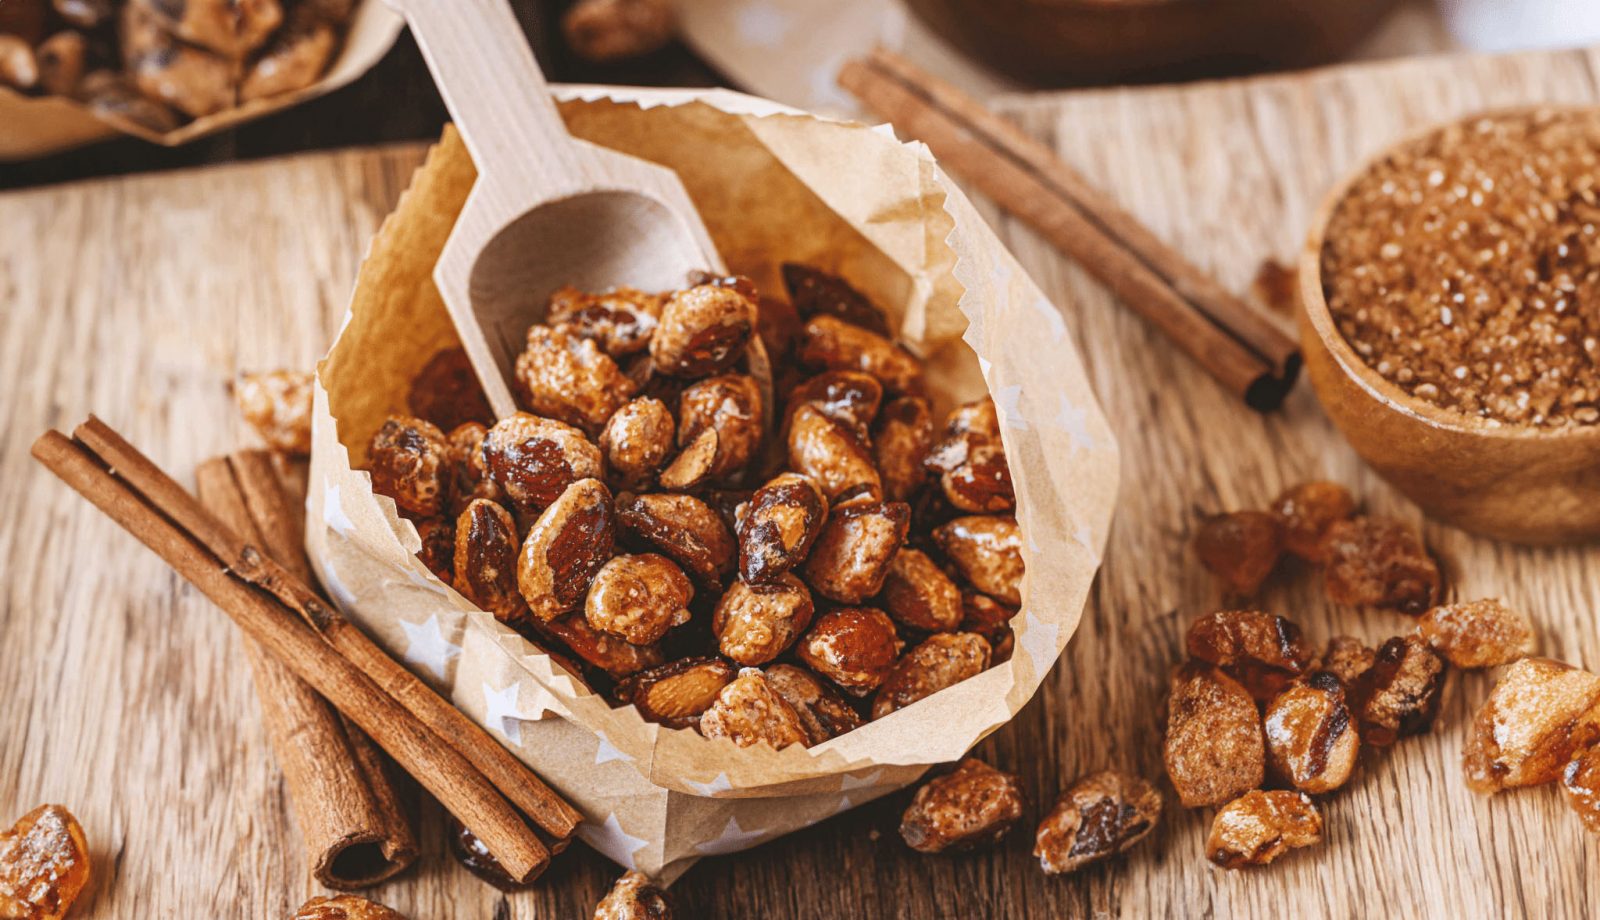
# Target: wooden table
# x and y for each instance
(139, 298)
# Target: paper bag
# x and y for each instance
(773, 185)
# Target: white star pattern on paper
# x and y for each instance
(732, 839)
(607, 751)
(610, 839)
(1052, 318)
(342, 596)
(1038, 639)
(848, 782)
(502, 714)
(1007, 402)
(1074, 420)
(333, 511)
(426, 647)
(1085, 538)
(762, 25)
(719, 784)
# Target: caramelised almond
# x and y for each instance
(756, 623)
(1214, 746)
(850, 398)
(470, 473)
(970, 460)
(684, 529)
(1399, 694)
(826, 452)
(410, 462)
(901, 440)
(1258, 827)
(1539, 716)
(851, 557)
(972, 806)
(703, 330)
(620, 321)
(1477, 634)
(568, 378)
(918, 594)
(987, 548)
(778, 526)
(731, 406)
(567, 545)
(831, 343)
(749, 712)
(1099, 816)
(1347, 658)
(617, 657)
(676, 693)
(438, 550)
(486, 560)
(1308, 511)
(855, 647)
(636, 441)
(816, 292)
(942, 660)
(534, 459)
(1262, 651)
(638, 598)
(1241, 548)
(1312, 741)
(823, 712)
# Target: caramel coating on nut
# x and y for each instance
(533, 460)
(972, 806)
(1399, 694)
(684, 529)
(1258, 827)
(1347, 658)
(1379, 562)
(566, 546)
(918, 594)
(345, 907)
(676, 693)
(987, 549)
(1307, 511)
(485, 569)
(620, 321)
(852, 554)
(470, 474)
(942, 660)
(438, 552)
(1241, 548)
(568, 378)
(970, 460)
(749, 712)
(778, 526)
(1580, 782)
(855, 647)
(277, 404)
(446, 392)
(1312, 740)
(44, 864)
(823, 712)
(756, 623)
(637, 440)
(694, 464)
(1214, 748)
(703, 330)
(901, 440)
(1477, 634)
(729, 404)
(1260, 650)
(638, 598)
(617, 657)
(833, 344)
(1097, 817)
(634, 897)
(825, 452)
(850, 398)
(1536, 719)
(816, 292)
(410, 462)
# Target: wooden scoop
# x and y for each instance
(547, 210)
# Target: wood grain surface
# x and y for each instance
(138, 299)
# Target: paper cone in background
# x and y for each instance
(773, 185)
(34, 126)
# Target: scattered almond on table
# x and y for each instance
(44, 865)
(634, 897)
(345, 907)
(973, 806)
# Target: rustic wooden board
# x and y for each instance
(137, 299)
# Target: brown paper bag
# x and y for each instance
(34, 126)
(773, 185)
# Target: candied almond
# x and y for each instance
(638, 597)
(676, 693)
(1379, 562)
(438, 552)
(44, 864)
(816, 292)
(534, 459)
(568, 378)
(1581, 783)
(410, 462)
(830, 343)
(637, 440)
(474, 855)
(756, 623)
(617, 657)
(694, 464)
(1097, 817)
(1477, 634)
(1214, 749)
(971, 460)
(850, 398)
(1258, 827)
(852, 554)
(901, 439)
(447, 393)
(984, 615)
(942, 660)
(972, 806)
(987, 549)
(277, 404)
(855, 647)
(703, 330)
(917, 593)
(471, 473)
(778, 526)
(566, 546)
(1536, 719)
(1240, 547)
(1307, 511)
(345, 907)
(1230, 637)
(485, 569)
(828, 454)
(823, 712)
(1399, 694)
(634, 897)
(1312, 741)
(684, 529)
(748, 712)
(620, 321)
(1347, 658)
(731, 406)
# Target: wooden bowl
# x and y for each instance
(1060, 42)
(1512, 482)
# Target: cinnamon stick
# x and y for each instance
(511, 776)
(439, 767)
(1243, 349)
(349, 814)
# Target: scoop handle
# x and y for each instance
(495, 92)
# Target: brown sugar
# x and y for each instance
(1465, 268)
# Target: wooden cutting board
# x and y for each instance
(138, 299)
